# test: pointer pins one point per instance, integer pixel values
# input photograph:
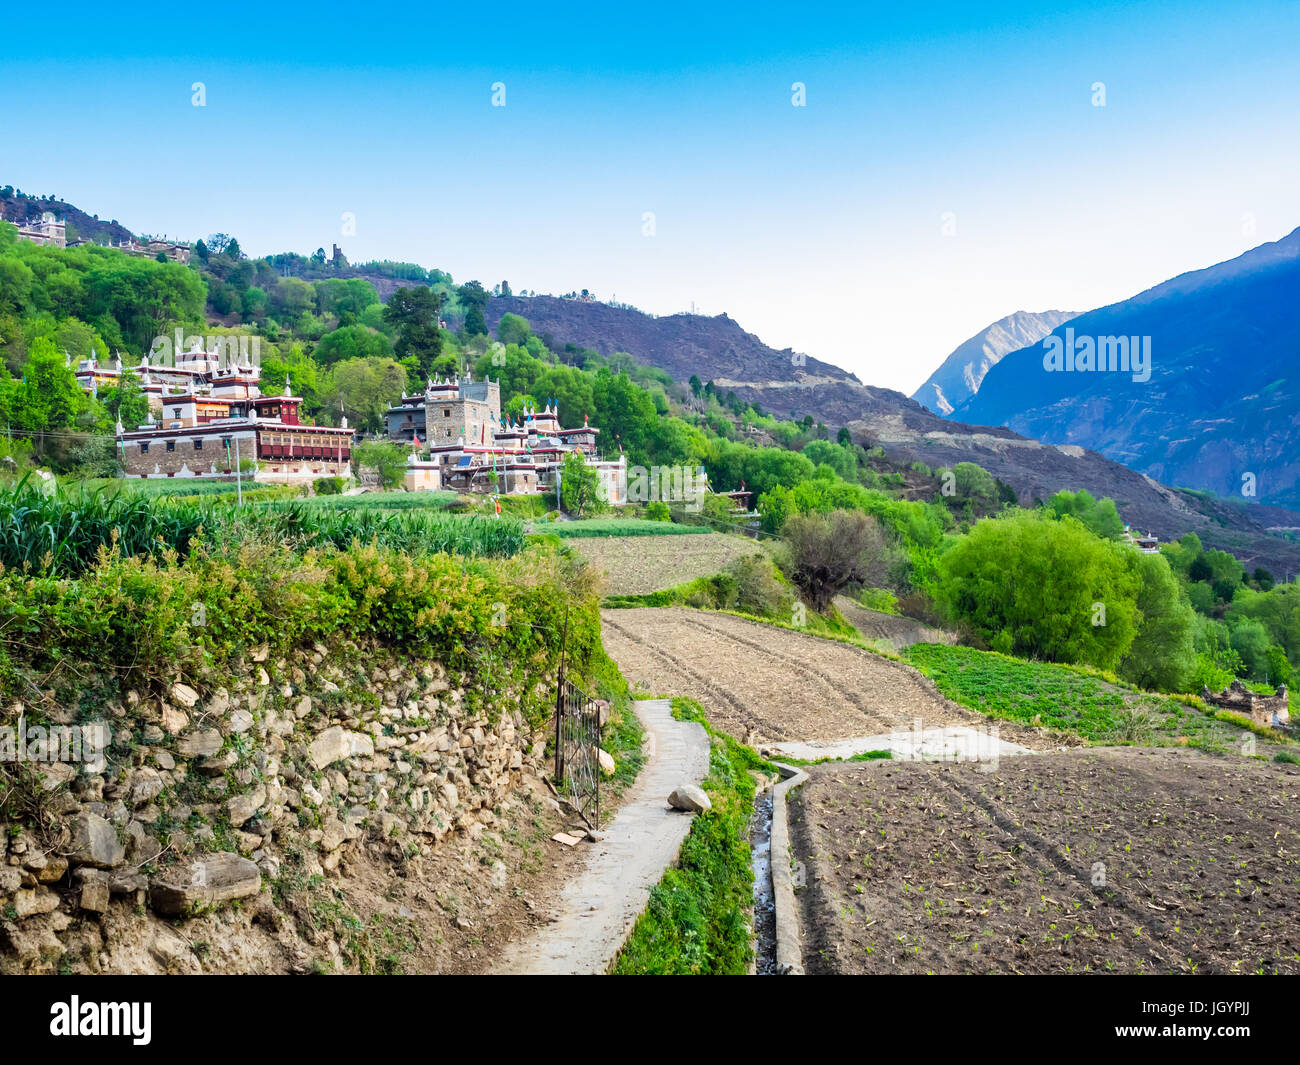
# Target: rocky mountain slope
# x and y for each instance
(717, 349)
(961, 373)
(1220, 409)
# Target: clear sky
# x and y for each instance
(949, 166)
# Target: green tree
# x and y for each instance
(388, 460)
(1043, 589)
(473, 297)
(364, 388)
(1099, 515)
(1163, 654)
(513, 329)
(352, 342)
(579, 486)
(414, 311)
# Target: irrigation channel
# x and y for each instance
(760, 839)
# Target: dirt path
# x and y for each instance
(766, 685)
(599, 906)
(897, 632)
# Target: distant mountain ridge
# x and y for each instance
(961, 373)
(718, 350)
(1221, 410)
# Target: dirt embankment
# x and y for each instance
(1120, 860)
(897, 632)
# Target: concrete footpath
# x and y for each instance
(599, 906)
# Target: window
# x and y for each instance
(198, 445)
(144, 449)
(446, 413)
(171, 445)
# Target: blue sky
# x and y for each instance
(820, 227)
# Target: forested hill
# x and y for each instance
(21, 208)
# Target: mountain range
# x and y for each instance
(962, 372)
(791, 385)
(1220, 410)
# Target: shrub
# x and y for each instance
(328, 486)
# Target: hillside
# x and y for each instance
(718, 349)
(961, 373)
(19, 207)
(1223, 391)
(682, 344)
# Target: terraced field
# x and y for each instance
(1126, 860)
(635, 565)
(764, 684)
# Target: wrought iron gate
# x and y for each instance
(577, 749)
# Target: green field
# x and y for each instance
(1069, 699)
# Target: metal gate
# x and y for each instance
(577, 749)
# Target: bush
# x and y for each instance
(759, 588)
(658, 511)
(329, 486)
(388, 460)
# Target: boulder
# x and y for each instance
(203, 883)
(689, 797)
(606, 760)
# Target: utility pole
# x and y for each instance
(239, 476)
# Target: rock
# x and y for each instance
(173, 720)
(53, 869)
(95, 842)
(94, 896)
(242, 807)
(29, 902)
(146, 785)
(337, 743)
(691, 798)
(241, 721)
(204, 742)
(606, 761)
(185, 695)
(333, 836)
(10, 880)
(199, 885)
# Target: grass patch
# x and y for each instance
(1070, 699)
(697, 921)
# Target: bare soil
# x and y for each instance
(635, 565)
(890, 629)
(763, 684)
(1126, 860)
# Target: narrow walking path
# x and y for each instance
(598, 908)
